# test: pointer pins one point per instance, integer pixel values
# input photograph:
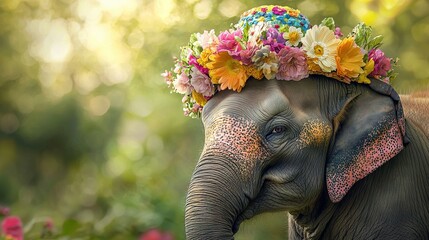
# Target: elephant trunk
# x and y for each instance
(214, 200)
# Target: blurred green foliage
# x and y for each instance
(89, 134)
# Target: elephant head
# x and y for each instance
(294, 117)
(289, 146)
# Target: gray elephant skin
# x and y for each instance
(340, 158)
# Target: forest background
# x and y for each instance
(92, 141)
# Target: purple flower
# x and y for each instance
(381, 63)
(274, 39)
(228, 42)
(278, 11)
(292, 64)
(338, 32)
(201, 83)
(193, 62)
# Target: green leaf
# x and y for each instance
(328, 22)
(284, 29)
(376, 42)
(362, 33)
(240, 41)
(70, 226)
(246, 32)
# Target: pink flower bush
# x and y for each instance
(381, 63)
(293, 64)
(228, 43)
(201, 83)
(12, 227)
(155, 234)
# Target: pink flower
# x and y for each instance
(12, 226)
(168, 76)
(196, 108)
(228, 43)
(48, 225)
(381, 63)
(278, 11)
(247, 54)
(193, 62)
(201, 83)
(292, 64)
(207, 39)
(4, 211)
(155, 234)
(274, 39)
(181, 84)
(338, 32)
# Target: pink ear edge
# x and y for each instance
(375, 151)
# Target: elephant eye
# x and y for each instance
(278, 129)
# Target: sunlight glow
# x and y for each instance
(203, 9)
(51, 40)
(377, 13)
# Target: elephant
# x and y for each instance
(341, 159)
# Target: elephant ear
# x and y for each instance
(368, 131)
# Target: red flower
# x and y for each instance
(155, 234)
(12, 227)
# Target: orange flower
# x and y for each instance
(254, 72)
(293, 12)
(312, 66)
(349, 59)
(227, 72)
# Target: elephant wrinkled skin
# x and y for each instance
(340, 158)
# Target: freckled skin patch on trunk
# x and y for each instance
(238, 139)
(314, 133)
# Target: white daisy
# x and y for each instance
(293, 36)
(320, 45)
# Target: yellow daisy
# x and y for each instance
(204, 58)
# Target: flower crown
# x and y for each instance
(274, 42)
